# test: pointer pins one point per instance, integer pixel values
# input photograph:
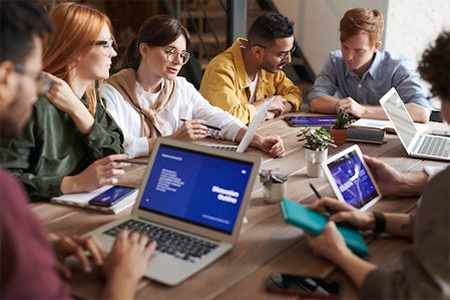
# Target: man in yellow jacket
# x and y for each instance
(245, 76)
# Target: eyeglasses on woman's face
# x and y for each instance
(173, 55)
(107, 45)
(43, 82)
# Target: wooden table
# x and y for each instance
(266, 244)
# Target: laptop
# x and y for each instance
(351, 179)
(416, 143)
(249, 134)
(191, 196)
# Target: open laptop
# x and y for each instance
(417, 144)
(250, 133)
(197, 193)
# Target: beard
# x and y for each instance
(273, 68)
(18, 113)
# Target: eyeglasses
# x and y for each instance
(106, 44)
(283, 55)
(44, 83)
(173, 54)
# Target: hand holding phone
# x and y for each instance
(306, 286)
(111, 196)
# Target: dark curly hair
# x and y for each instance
(435, 66)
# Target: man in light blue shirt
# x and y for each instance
(358, 75)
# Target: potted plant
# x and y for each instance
(317, 142)
(339, 130)
(274, 185)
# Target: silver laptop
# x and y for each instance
(417, 144)
(250, 133)
(192, 202)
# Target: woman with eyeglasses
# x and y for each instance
(70, 144)
(148, 100)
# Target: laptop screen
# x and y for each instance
(199, 188)
(399, 116)
(352, 179)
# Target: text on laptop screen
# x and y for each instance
(352, 179)
(196, 187)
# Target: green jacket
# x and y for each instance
(51, 147)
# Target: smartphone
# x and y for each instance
(111, 196)
(306, 286)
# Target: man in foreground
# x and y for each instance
(31, 262)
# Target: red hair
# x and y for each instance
(77, 27)
(358, 21)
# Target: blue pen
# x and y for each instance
(318, 195)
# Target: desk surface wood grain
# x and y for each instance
(266, 244)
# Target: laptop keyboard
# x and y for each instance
(435, 146)
(225, 147)
(170, 242)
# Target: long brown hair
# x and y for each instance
(77, 27)
(158, 30)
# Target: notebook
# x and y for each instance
(416, 143)
(82, 200)
(314, 223)
(351, 179)
(249, 134)
(360, 135)
(197, 192)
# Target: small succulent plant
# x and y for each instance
(316, 139)
(342, 119)
(269, 177)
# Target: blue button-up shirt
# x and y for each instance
(386, 71)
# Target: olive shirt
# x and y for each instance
(225, 84)
(424, 271)
(51, 147)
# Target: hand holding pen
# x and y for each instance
(209, 126)
(318, 195)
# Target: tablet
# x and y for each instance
(300, 121)
(351, 179)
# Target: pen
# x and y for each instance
(209, 126)
(318, 195)
(133, 162)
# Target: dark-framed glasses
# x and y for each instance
(173, 55)
(283, 55)
(43, 82)
(108, 45)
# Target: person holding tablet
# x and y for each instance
(425, 269)
(359, 74)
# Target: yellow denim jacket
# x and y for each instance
(225, 84)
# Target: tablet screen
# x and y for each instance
(309, 120)
(351, 179)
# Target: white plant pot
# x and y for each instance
(275, 192)
(313, 162)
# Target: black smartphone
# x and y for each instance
(111, 196)
(306, 286)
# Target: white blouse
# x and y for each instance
(186, 103)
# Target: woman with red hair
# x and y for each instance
(70, 144)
